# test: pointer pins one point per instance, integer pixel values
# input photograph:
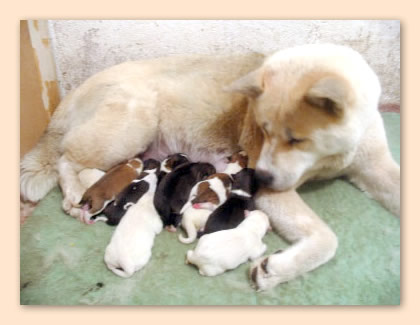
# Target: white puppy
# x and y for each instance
(227, 249)
(131, 244)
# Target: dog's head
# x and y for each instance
(311, 104)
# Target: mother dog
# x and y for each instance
(308, 112)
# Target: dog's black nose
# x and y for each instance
(264, 178)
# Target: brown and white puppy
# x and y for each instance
(207, 195)
(171, 162)
(204, 198)
(237, 162)
(308, 112)
(104, 191)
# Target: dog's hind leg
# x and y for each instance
(313, 241)
(373, 170)
(117, 131)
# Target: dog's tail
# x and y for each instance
(191, 233)
(38, 168)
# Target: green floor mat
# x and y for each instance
(62, 259)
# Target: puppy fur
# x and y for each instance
(302, 113)
(208, 195)
(104, 191)
(171, 162)
(225, 250)
(129, 195)
(237, 162)
(231, 213)
(131, 244)
(173, 191)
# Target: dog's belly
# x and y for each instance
(160, 149)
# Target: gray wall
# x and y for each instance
(83, 47)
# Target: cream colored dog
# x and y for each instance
(308, 112)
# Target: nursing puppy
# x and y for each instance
(171, 162)
(204, 198)
(237, 162)
(129, 195)
(301, 113)
(231, 213)
(174, 189)
(131, 244)
(104, 191)
(226, 250)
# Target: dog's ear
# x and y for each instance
(331, 94)
(251, 85)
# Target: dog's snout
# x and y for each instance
(263, 177)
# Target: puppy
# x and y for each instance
(174, 189)
(231, 213)
(237, 162)
(209, 194)
(225, 250)
(96, 197)
(171, 162)
(204, 198)
(129, 195)
(131, 244)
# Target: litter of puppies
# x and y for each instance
(141, 198)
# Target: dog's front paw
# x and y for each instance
(263, 276)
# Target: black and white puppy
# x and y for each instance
(174, 190)
(171, 162)
(130, 194)
(231, 213)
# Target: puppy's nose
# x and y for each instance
(264, 178)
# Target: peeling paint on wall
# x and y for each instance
(40, 41)
(84, 47)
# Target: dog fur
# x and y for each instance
(227, 249)
(307, 112)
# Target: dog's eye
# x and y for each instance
(291, 140)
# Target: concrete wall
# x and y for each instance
(83, 47)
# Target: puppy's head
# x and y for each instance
(245, 181)
(312, 105)
(202, 170)
(240, 158)
(151, 164)
(173, 161)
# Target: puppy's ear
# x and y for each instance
(251, 85)
(331, 94)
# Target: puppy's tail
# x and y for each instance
(191, 232)
(38, 172)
